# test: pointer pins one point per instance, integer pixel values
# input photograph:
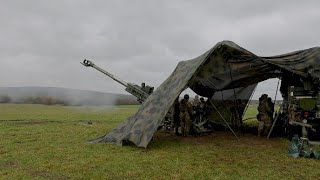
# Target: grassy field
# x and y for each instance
(50, 142)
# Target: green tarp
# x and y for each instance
(225, 68)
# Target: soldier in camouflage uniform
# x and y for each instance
(264, 114)
(237, 111)
(203, 106)
(196, 102)
(185, 115)
(176, 117)
(196, 106)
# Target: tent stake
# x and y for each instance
(224, 120)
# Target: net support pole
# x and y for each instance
(224, 120)
(274, 123)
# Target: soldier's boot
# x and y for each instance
(186, 133)
(183, 131)
(176, 130)
(260, 131)
(260, 128)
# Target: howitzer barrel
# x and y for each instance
(88, 63)
(141, 92)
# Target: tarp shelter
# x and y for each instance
(225, 72)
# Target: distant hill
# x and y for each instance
(72, 96)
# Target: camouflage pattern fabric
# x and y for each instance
(302, 62)
(225, 66)
(140, 127)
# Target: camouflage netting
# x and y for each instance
(226, 72)
(226, 99)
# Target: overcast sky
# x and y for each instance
(42, 42)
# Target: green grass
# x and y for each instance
(50, 142)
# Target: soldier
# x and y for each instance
(241, 108)
(196, 102)
(237, 114)
(202, 101)
(176, 117)
(263, 116)
(196, 106)
(202, 108)
(203, 104)
(185, 115)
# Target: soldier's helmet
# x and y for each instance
(264, 96)
(196, 96)
(186, 96)
(201, 99)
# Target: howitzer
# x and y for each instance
(141, 92)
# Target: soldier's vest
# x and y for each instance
(183, 105)
(263, 112)
(262, 107)
(196, 103)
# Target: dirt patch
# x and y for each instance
(217, 137)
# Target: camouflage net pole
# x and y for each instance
(224, 120)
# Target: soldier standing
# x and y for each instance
(196, 101)
(185, 115)
(263, 116)
(237, 113)
(202, 108)
(196, 105)
(176, 117)
(203, 104)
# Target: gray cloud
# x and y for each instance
(42, 42)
